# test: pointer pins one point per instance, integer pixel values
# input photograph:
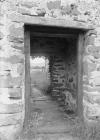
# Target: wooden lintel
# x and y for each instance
(57, 22)
(49, 21)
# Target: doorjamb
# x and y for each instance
(27, 75)
(80, 51)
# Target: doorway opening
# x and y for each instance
(61, 50)
(39, 75)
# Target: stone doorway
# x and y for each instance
(64, 48)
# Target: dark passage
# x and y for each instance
(61, 72)
(53, 96)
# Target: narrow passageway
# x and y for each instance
(48, 121)
(53, 82)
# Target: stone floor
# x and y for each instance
(48, 120)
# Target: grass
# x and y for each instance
(85, 131)
(80, 129)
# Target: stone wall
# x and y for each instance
(91, 77)
(71, 75)
(71, 65)
(13, 15)
(11, 74)
(63, 70)
(57, 73)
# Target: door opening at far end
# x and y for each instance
(39, 76)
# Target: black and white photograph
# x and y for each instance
(49, 69)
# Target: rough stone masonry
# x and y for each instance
(13, 15)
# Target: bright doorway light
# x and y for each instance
(37, 61)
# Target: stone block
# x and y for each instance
(19, 46)
(91, 89)
(15, 82)
(92, 111)
(1, 21)
(88, 97)
(18, 17)
(3, 82)
(7, 68)
(15, 39)
(24, 11)
(41, 12)
(7, 81)
(92, 66)
(1, 35)
(15, 93)
(4, 72)
(97, 29)
(95, 74)
(15, 59)
(11, 6)
(93, 50)
(10, 132)
(85, 67)
(2, 9)
(74, 10)
(11, 108)
(12, 93)
(14, 72)
(65, 10)
(91, 32)
(4, 91)
(28, 4)
(92, 97)
(16, 31)
(90, 40)
(10, 119)
(17, 70)
(20, 68)
(97, 41)
(96, 81)
(10, 62)
(56, 4)
(97, 99)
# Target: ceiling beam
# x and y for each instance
(39, 34)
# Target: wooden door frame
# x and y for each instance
(27, 76)
(80, 52)
(80, 46)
